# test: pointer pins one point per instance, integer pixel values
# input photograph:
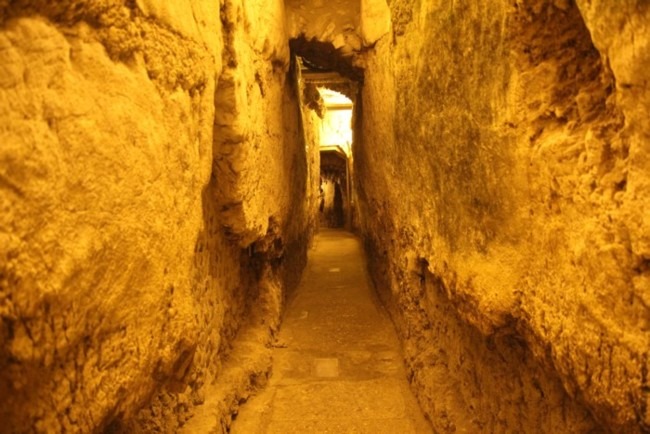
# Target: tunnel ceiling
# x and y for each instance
(333, 37)
(334, 159)
(335, 100)
(324, 57)
(329, 79)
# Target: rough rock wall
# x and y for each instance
(312, 125)
(125, 274)
(501, 164)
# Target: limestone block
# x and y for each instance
(196, 19)
(178, 15)
(375, 20)
(266, 25)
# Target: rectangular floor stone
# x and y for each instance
(326, 368)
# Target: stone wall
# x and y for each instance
(155, 191)
(502, 177)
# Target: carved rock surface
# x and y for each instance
(502, 178)
(123, 285)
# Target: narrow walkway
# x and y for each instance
(337, 366)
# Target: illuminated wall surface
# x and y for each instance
(159, 189)
(336, 129)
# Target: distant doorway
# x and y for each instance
(334, 206)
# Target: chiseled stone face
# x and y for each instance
(502, 185)
(122, 284)
(375, 20)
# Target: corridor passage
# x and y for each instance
(336, 366)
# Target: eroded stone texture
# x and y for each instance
(332, 22)
(502, 181)
(329, 34)
(120, 286)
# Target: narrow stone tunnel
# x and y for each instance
(162, 169)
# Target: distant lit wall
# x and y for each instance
(336, 129)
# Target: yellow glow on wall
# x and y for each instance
(336, 128)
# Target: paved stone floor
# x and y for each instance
(336, 366)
